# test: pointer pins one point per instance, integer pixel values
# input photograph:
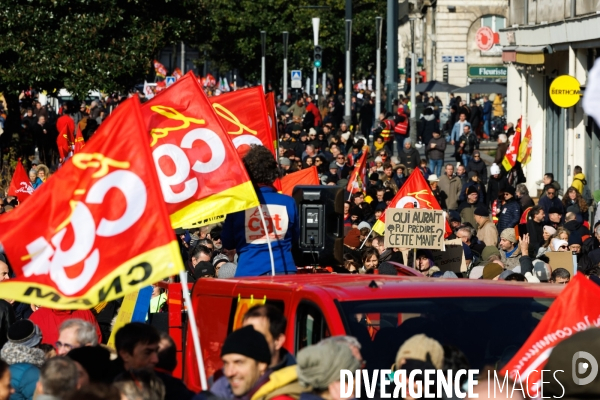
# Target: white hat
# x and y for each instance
(364, 224)
(556, 243)
(433, 178)
(495, 169)
(312, 131)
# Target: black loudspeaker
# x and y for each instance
(321, 211)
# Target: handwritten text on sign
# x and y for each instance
(414, 228)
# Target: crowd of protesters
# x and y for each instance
(505, 234)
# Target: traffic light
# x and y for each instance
(446, 73)
(318, 56)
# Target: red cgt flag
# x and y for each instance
(574, 310)
(177, 74)
(510, 159)
(308, 176)
(98, 229)
(160, 69)
(200, 173)
(359, 174)
(244, 115)
(20, 186)
(79, 142)
(272, 114)
(415, 193)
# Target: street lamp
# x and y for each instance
(348, 85)
(285, 66)
(317, 52)
(263, 79)
(378, 24)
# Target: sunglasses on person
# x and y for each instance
(551, 193)
(340, 158)
(563, 247)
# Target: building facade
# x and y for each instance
(444, 35)
(545, 39)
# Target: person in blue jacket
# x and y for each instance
(510, 213)
(244, 230)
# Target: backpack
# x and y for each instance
(587, 194)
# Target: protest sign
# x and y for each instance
(562, 259)
(414, 228)
(452, 259)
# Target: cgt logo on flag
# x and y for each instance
(20, 186)
(49, 258)
(200, 173)
(84, 237)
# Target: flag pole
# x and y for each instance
(194, 327)
(367, 238)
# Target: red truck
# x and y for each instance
(487, 320)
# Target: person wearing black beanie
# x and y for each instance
(93, 364)
(246, 356)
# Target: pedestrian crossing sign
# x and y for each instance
(296, 79)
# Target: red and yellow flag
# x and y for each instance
(20, 186)
(308, 176)
(66, 128)
(244, 115)
(79, 142)
(160, 69)
(525, 148)
(98, 229)
(415, 193)
(510, 159)
(177, 74)
(356, 183)
(200, 172)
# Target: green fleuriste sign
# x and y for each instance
(487, 71)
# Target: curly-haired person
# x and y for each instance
(244, 230)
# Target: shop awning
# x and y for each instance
(482, 87)
(435, 86)
(530, 55)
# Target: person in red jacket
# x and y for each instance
(312, 108)
(49, 320)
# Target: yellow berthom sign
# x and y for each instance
(565, 91)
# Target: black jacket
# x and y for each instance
(427, 125)
(480, 168)
(495, 186)
(574, 226)
(7, 317)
